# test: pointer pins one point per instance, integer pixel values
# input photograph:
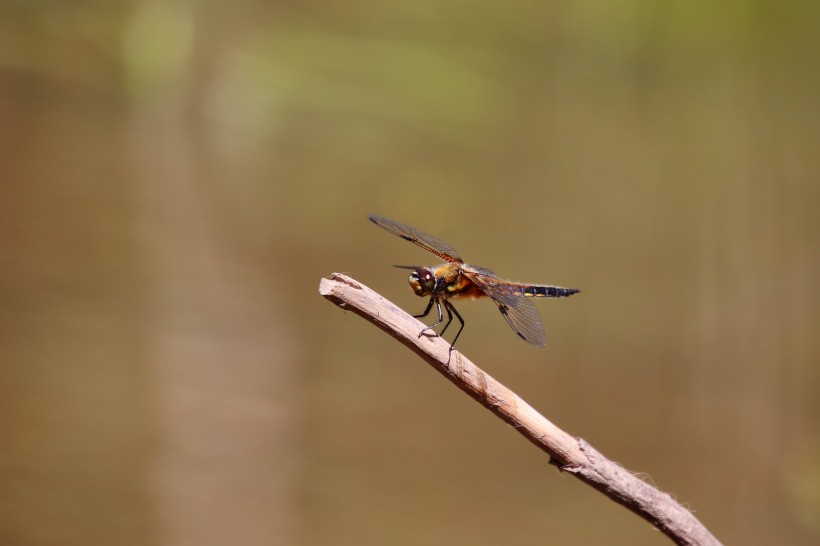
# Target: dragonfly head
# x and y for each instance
(422, 281)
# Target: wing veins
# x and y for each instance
(518, 310)
(416, 236)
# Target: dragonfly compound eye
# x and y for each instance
(422, 281)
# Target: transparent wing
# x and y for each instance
(517, 309)
(424, 240)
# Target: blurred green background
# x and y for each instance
(176, 177)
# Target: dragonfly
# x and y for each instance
(456, 279)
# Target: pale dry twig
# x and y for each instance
(570, 454)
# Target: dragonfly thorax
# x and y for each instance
(422, 281)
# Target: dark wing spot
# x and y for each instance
(503, 309)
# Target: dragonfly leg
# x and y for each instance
(449, 307)
(427, 312)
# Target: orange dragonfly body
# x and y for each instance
(456, 279)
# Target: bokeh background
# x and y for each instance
(177, 176)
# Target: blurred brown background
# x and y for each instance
(176, 177)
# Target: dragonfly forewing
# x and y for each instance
(416, 236)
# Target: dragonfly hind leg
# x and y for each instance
(449, 307)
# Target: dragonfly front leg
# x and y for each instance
(427, 310)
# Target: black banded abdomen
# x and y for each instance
(536, 291)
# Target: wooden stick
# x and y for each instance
(568, 453)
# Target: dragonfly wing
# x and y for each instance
(524, 319)
(519, 312)
(422, 239)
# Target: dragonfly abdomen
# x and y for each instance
(536, 291)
